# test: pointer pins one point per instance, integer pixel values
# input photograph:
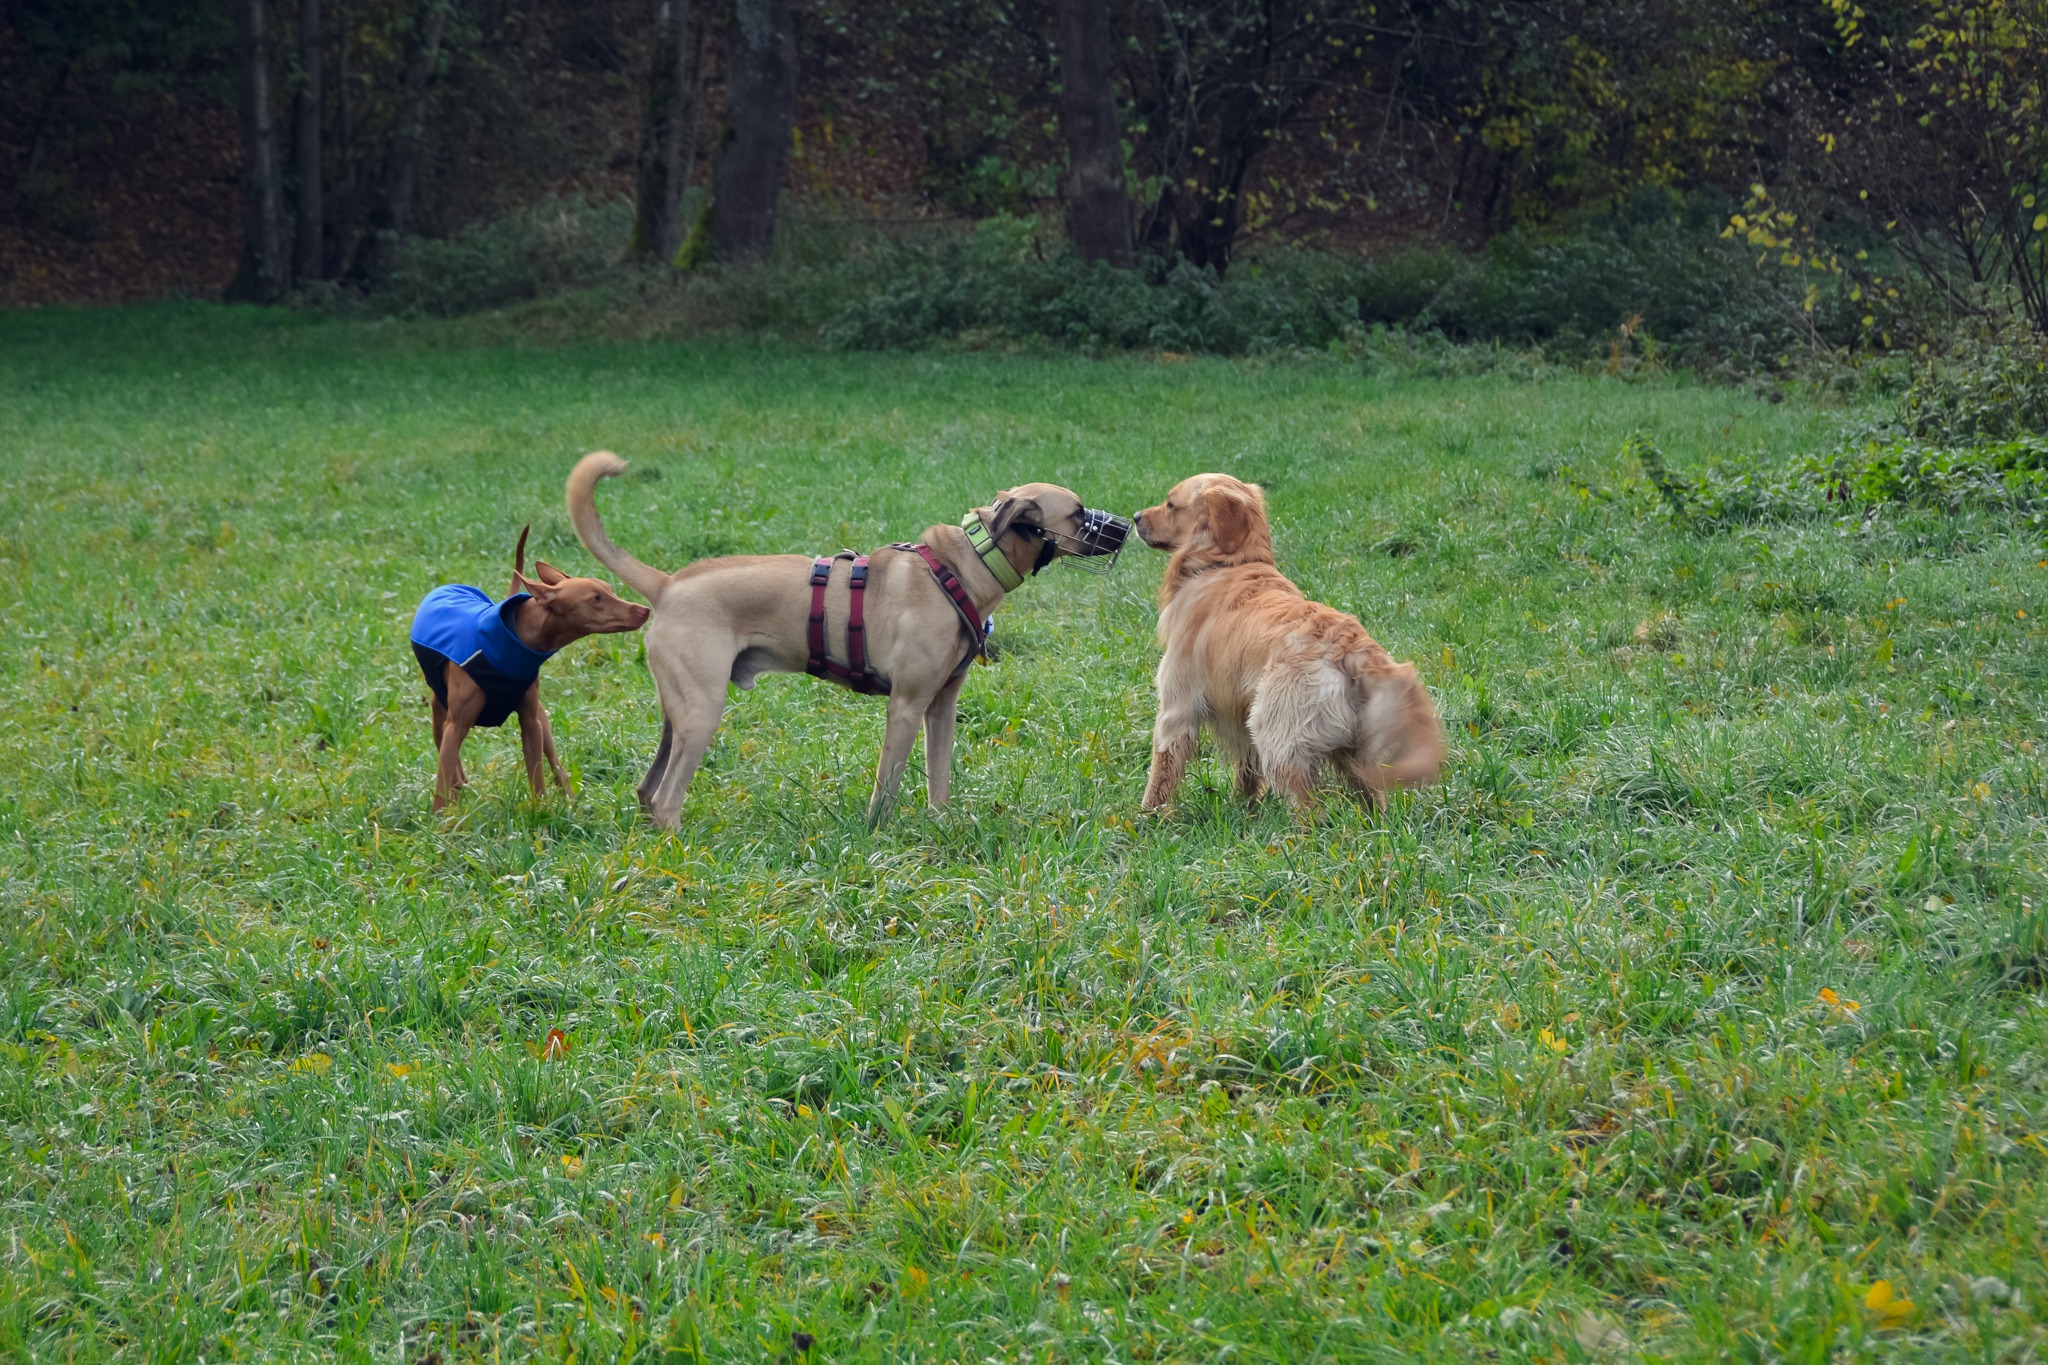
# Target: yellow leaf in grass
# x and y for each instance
(1886, 1302)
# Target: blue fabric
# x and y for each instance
(459, 622)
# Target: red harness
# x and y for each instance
(855, 673)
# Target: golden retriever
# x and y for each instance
(1284, 684)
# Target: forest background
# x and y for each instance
(1747, 183)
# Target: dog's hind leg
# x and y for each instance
(1234, 743)
(1366, 778)
(906, 718)
(649, 783)
(1295, 779)
(465, 704)
(939, 720)
(692, 704)
(1301, 716)
(694, 733)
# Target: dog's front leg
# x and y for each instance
(1172, 751)
(547, 739)
(1175, 735)
(939, 718)
(906, 718)
(533, 738)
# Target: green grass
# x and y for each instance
(1537, 1064)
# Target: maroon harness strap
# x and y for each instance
(854, 673)
(977, 629)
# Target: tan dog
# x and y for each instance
(482, 659)
(734, 618)
(1285, 684)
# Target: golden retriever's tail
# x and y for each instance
(1402, 719)
(582, 496)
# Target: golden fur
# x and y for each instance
(1284, 684)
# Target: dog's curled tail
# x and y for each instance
(582, 497)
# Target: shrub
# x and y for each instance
(557, 243)
(2005, 476)
(1654, 274)
(1982, 392)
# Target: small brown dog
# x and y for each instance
(1285, 684)
(482, 659)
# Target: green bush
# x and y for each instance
(1654, 275)
(1981, 392)
(2005, 476)
(553, 245)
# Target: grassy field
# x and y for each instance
(1697, 1014)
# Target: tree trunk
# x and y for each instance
(753, 151)
(658, 222)
(1098, 212)
(344, 211)
(308, 262)
(261, 278)
(393, 213)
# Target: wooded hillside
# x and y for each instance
(261, 146)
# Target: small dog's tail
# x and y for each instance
(582, 496)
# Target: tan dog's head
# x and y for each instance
(1034, 524)
(1210, 519)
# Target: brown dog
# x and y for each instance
(482, 659)
(734, 618)
(1285, 684)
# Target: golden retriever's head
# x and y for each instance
(1036, 523)
(1210, 519)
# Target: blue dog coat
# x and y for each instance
(461, 625)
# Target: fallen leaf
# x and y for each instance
(1887, 1303)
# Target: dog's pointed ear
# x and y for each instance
(1234, 513)
(548, 573)
(1006, 511)
(539, 591)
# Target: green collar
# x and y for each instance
(985, 546)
